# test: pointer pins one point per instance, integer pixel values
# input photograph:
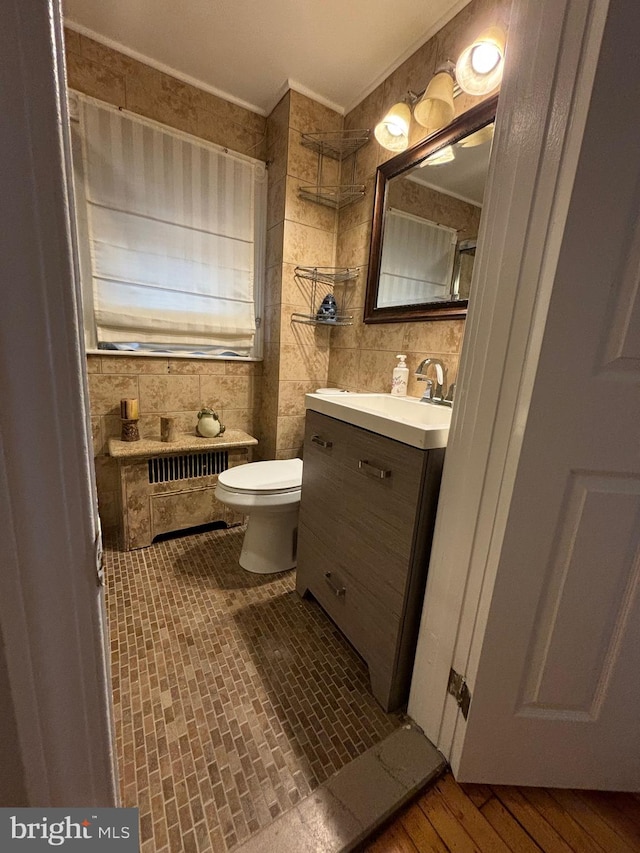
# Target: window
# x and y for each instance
(171, 234)
(417, 260)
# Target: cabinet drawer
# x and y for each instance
(325, 440)
(388, 472)
(363, 618)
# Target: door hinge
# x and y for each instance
(99, 558)
(458, 688)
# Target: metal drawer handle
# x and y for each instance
(339, 591)
(317, 440)
(372, 471)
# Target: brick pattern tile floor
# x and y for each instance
(233, 697)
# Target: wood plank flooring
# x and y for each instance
(453, 818)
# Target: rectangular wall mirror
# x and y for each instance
(426, 217)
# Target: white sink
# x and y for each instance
(404, 419)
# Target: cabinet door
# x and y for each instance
(381, 492)
(324, 449)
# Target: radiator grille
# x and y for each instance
(165, 469)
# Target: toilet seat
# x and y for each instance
(277, 477)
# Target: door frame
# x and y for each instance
(552, 56)
(64, 734)
(52, 623)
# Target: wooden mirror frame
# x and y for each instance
(470, 121)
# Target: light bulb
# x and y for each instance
(484, 57)
(394, 129)
(480, 65)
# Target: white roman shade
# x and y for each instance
(175, 232)
(417, 260)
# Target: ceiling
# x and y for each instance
(250, 51)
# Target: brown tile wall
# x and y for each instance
(362, 357)
(302, 233)
(104, 73)
(164, 386)
(277, 148)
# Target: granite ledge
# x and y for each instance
(353, 803)
(186, 442)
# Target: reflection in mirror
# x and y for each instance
(426, 219)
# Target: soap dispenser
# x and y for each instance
(400, 377)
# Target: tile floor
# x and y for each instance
(234, 699)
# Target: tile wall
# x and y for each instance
(164, 386)
(300, 232)
(362, 357)
(104, 73)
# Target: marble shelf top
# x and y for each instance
(184, 443)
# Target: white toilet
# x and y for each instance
(269, 493)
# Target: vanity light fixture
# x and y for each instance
(435, 108)
(393, 131)
(480, 65)
(478, 71)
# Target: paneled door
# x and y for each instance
(547, 629)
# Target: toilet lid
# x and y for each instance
(280, 475)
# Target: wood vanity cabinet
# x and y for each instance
(366, 522)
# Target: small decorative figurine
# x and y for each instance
(209, 425)
(328, 310)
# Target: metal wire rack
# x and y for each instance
(336, 145)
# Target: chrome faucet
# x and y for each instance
(438, 393)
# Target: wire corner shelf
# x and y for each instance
(336, 197)
(337, 145)
(329, 277)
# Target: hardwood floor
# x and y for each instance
(483, 819)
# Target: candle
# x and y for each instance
(129, 410)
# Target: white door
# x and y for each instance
(56, 739)
(541, 584)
